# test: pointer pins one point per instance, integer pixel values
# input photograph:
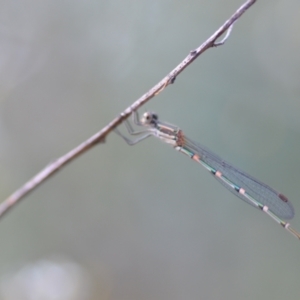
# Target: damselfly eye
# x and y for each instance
(149, 119)
(148, 116)
(154, 116)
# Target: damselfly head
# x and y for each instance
(149, 119)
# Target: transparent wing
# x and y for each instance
(262, 193)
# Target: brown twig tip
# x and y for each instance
(99, 137)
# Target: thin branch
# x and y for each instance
(99, 137)
(228, 32)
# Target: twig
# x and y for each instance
(99, 137)
(222, 42)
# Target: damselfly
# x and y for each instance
(244, 186)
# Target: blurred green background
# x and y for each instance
(145, 222)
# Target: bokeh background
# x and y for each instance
(145, 222)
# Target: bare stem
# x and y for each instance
(99, 137)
